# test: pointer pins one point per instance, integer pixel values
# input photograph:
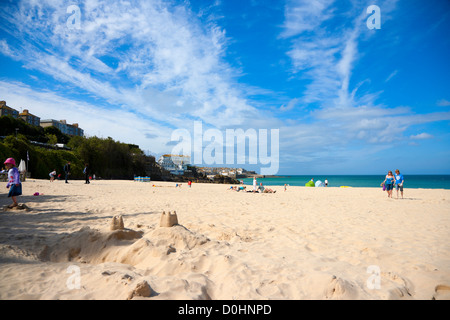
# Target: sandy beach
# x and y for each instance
(305, 243)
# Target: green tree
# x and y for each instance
(52, 139)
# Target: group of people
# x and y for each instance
(259, 189)
(238, 188)
(67, 172)
(15, 185)
(392, 181)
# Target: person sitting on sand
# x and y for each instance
(14, 184)
(261, 187)
(268, 190)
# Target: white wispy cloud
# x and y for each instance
(393, 74)
(305, 15)
(322, 54)
(290, 105)
(421, 136)
(138, 54)
(443, 103)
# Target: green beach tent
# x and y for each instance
(310, 184)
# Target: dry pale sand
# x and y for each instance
(305, 243)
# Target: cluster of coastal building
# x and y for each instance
(179, 164)
(25, 115)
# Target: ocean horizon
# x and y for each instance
(415, 181)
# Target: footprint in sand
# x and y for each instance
(312, 247)
(442, 292)
(402, 287)
(21, 206)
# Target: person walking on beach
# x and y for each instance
(86, 174)
(326, 183)
(255, 183)
(389, 183)
(399, 182)
(14, 184)
(67, 170)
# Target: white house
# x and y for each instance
(175, 164)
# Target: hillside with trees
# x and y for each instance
(107, 158)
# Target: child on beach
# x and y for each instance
(14, 184)
(52, 175)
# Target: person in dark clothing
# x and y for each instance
(86, 173)
(67, 170)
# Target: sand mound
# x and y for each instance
(87, 244)
(125, 246)
(142, 289)
(178, 237)
(340, 289)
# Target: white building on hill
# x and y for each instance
(175, 164)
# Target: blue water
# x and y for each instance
(358, 181)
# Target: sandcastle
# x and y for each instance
(117, 223)
(120, 232)
(168, 219)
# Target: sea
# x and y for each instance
(356, 181)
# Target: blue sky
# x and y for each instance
(345, 99)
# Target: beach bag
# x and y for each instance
(384, 187)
